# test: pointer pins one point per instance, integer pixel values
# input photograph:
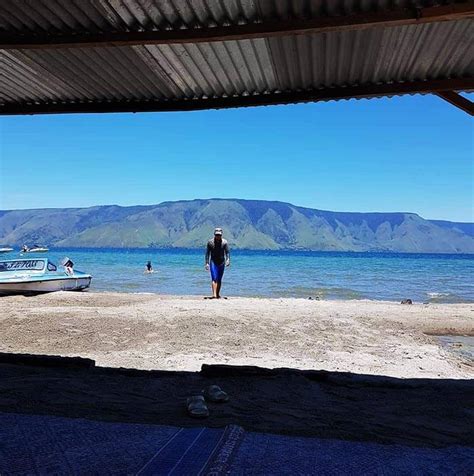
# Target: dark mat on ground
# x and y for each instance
(45, 445)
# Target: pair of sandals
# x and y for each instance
(196, 404)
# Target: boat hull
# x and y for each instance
(38, 286)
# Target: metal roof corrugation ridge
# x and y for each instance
(137, 15)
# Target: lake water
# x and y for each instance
(328, 275)
(461, 346)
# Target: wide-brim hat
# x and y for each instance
(218, 231)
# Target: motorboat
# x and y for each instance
(5, 249)
(34, 249)
(40, 275)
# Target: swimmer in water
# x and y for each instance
(149, 267)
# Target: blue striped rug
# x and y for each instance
(47, 445)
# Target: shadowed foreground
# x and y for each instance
(67, 416)
(420, 412)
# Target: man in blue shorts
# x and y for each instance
(217, 258)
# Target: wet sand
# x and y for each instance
(145, 331)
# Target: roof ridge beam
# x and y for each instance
(326, 94)
(457, 10)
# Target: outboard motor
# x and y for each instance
(68, 265)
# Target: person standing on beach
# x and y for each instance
(217, 258)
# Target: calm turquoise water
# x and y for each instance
(385, 276)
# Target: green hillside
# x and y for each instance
(249, 224)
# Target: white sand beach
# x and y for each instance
(146, 331)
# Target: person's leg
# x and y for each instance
(220, 274)
(215, 293)
(214, 278)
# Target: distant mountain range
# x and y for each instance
(247, 224)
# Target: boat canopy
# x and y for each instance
(24, 265)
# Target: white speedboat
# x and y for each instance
(40, 275)
(34, 249)
(5, 249)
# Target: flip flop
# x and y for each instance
(215, 394)
(197, 407)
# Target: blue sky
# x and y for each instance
(400, 154)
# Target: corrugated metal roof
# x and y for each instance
(59, 16)
(240, 68)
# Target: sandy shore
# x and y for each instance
(182, 333)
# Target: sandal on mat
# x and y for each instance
(215, 394)
(197, 407)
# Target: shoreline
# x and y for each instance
(169, 332)
(272, 298)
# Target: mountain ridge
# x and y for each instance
(249, 224)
